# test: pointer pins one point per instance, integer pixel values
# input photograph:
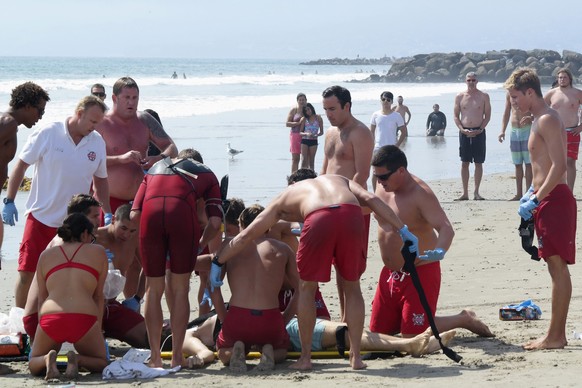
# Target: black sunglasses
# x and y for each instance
(385, 177)
(98, 94)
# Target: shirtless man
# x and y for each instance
(69, 157)
(472, 114)
(549, 200)
(122, 321)
(396, 307)
(27, 103)
(403, 110)
(566, 100)
(330, 207)
(348, 149)
(127, 134)
(255, 277)
(520, 130)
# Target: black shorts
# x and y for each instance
(309, 142)
(472, 149)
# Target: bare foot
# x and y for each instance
(419, 344)
(238, 359)
(194, 362)
(477, 197)
(51, 366)
(267, 359)
(303, 363)
(72, 371)
(476, 325)
(545, 343)
(462, 198)
(356, 361)
(433, 343)
(516, 198)
(155, 362)
(177, 359)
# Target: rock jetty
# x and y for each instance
(345, 61)
(492, 66)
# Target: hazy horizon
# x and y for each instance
(300, 30)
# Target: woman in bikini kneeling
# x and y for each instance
(70, 283)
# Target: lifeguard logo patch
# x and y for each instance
(92, 156)
(418, 319)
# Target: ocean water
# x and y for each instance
(245, 102)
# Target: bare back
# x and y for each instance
(8, 143)
(57, 290)
(256, 274)
(348, 151)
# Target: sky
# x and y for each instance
(276, 29)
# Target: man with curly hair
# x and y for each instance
(27, 105)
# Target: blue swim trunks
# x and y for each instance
(293, 331)
(518, 145)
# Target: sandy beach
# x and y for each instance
(485, 269)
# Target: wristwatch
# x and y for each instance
(7, 200)
(534, 199)
(215, 261)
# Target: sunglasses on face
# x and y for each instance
(98, 94)
(40, 110)
(385, 177)
(93, 238)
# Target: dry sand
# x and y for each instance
(484, 269)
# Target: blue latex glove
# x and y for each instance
(433, 255)
(9, 214)
(206, 298)
(131, 303)
(215, 275)
(528, 194)
(526, 209)
(405, 235)
(107, 218)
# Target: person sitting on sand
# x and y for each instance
(396, 307)
(77, 268)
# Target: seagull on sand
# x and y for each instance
(231, 151)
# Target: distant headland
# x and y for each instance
(492, 66)
(355, 61)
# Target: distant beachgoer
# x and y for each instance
(69, 156)
(472, 114)
(385, 125)
(310, 129)
(348, 149)
(566, 100)
(436, 122)
(549, 201)
(175, 75)
(27, 104)
(184, 75)
(519, 137)
(293, 122)
(403, 110)
(396, 307)
(74, 268)
(170, 238)
(333, 232)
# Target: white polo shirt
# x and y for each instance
(61, 170)
(386, 128)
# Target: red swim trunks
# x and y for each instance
(332, 234)
(555, 224)
(396, 307)
(573, 145)
(118, 320)
(35, 238)
(253, 327)
(114, 203)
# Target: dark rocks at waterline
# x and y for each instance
(492, 66)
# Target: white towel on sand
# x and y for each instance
(120, 370)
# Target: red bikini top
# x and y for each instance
(72, 264)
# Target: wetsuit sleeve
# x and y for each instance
(428, 120)
(444, 120)
(212, 198)
(139, 197)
